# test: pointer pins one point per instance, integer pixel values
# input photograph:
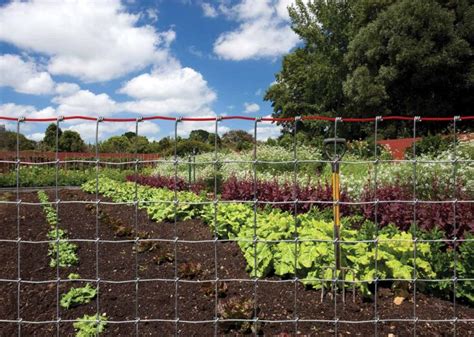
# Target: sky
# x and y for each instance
(134, 58)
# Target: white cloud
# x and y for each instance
(251, 108)
(93, 42)
(37, 136)
(263, 31)
(24, 76)
(18, 110)
(85, 102)
(65, 88)
(175, 90)
(208, 10)
(266, 130)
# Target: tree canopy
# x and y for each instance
(367, 58)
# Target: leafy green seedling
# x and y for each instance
(77, 296)
(90, 325)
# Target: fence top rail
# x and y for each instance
(248, 118)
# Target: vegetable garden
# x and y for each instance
(242, 242)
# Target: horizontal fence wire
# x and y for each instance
(255, 240)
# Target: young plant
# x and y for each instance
(66, 250)
(190, 270)
(90, 325)
(77, 296)
(236, 308)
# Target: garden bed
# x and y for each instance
(195, 261)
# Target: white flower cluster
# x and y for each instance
(277, 163)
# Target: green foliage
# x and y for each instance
(90, 325)
(34, 176)
(61, 251)
(430, 145)
(116, 144)
(268, 242)
(237, 140)
(410, 58)
(65, 249)
(312, 257)
(204, 137)
(465, 269)
(73, 276)
(159, 203)
(77, 296)
(50, 136)
(71, 141)
(362, 58)
(8, 141)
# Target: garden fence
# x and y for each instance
(295, 320)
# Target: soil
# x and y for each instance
(196, 301)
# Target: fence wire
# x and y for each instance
(254, 279)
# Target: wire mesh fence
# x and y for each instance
(337, 283)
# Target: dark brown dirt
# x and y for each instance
(196, 301)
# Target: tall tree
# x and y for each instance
(310, 81)
(366, 57)
(50, 136)
(411, 59)
(71, 141)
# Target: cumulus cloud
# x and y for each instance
(93, 43)
(85, 102)
(19, 110)
(24, 76)
(174, 90)
(251, 108)
(263, 31)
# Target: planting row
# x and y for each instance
(63, 254)
(277, 242)
(356, 173)
(453, 221)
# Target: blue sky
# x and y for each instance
(141, 58)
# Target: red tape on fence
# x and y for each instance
(264, 119)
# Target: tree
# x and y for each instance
(365, 57)
(71, 141)
(8, 141)
(116, 144)
(49, 139)
(237, 140)
(311, 78)
(412, 60)
(204, 136)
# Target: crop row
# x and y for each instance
(63, 254)
(281, 243)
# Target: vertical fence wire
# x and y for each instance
(135, 228)
(454, 239)
(255, 223)
(97, 224)
(216, 238)
(415, 227)
(376, 239)
(56, 198)
(295, 219)
(336, 242)
(18, 203)
(176, 238)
